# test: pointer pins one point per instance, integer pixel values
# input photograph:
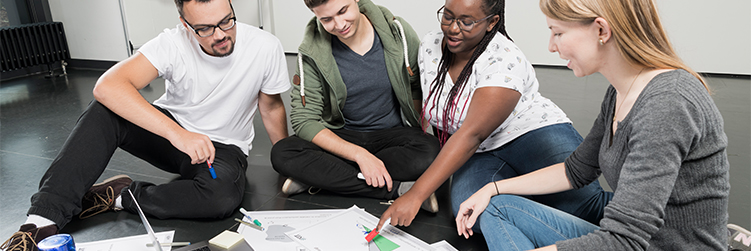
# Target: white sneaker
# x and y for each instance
(404, 186)
(430, 205)
(291, 187)
(739, 238)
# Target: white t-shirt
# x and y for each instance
(502, 64)
(218, 96)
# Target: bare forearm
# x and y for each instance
(551, 179)
(129, 105)
(372, 168)
(458, 149)
(543, 181)
(478, 124)
(332, 143)
(418, 105)
(274, 116)
(548, 248)
(117, 89)
(276, 125)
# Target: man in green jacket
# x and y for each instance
(356, 106)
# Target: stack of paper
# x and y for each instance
(130, 243)
(328, 230)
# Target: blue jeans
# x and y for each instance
(534, 150)
(512, 222)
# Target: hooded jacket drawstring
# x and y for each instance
(302, 78)
(404, 41)
(406, 61)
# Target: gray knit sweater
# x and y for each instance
(667, 166)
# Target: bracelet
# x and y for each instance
(496, 188)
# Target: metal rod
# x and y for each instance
(260, 14)
(125, 28)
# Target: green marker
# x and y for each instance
(247, 214)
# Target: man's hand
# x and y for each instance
(373, 169)
(198, 146)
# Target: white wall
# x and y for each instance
(93, 28)
(291, 16)
(713, 38)
(710, 37)
(147, 18)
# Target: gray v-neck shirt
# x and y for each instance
(371, 103)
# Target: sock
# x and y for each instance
(39, 221)
(119, 202)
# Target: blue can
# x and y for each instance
(58, 242)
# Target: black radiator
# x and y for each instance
(31, 45)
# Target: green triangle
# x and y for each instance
(383, 243)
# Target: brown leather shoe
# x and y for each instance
(27, 237)
(101, 197)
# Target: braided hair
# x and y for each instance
(496, 7)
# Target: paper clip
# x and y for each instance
(389, 202)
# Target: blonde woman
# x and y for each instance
(658, 141)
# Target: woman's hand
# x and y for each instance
(471, 208)
(402, 211)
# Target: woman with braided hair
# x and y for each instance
(481, 94)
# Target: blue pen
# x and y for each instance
(211, 170)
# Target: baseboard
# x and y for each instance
(57, 68)
(725, 75)
(90, 64)
(705, 74)
(29, 71)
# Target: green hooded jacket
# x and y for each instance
(319, 93)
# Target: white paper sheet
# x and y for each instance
(443, 246)
(130, 243)
(276, 223)
(347, 230)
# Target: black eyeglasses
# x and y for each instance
(208, 30)
(464, 24)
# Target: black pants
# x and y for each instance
(405, 151)
(88, 149)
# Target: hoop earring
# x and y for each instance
(602, 42)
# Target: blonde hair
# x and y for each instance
(635, 26)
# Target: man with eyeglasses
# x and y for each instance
(217, 73)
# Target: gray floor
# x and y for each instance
(37, 114)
